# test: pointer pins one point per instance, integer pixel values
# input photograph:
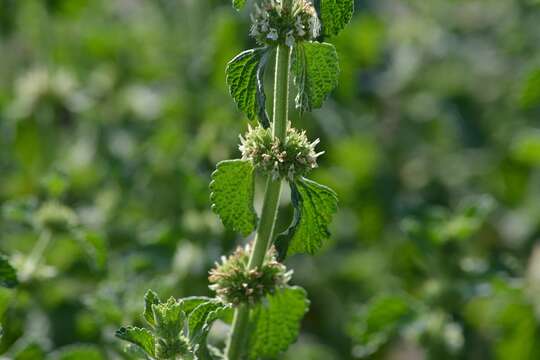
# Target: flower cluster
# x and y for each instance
(274, 23)
(56, 217)
(296, 156)
(234, 283)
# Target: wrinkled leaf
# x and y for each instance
(315, 69)
(202, 317)
(191, 303)
(138, 336)
(232, 190)
(276, 323)
(315, 205)
(245, 75)
(335, 15)
(8, 275)
(150, 298)
(169, 319)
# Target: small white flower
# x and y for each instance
(272, 34)
(289, 40)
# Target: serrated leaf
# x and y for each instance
(202, 317)
(232, 190)
(138, 336)
(150, 298)
(77, 352)
(238, 4)
(169, 319)
(190, 303)
(335, 15)
(276, 323)
(315, 69)
(8, 275)
(315, 205)
(245, 76)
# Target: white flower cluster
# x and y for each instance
(274, 23)
(296, 156)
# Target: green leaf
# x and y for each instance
(315, 204)
(232, 190)
(335, 15)
(315, 69)
(8, 275)
(526, 147)
(530, 90)
(379, 321)
(150, 298)
(190, 303)
(28, 351)
(276, 323)
(77, 352)
(245, 75)
(169, 319)
(202, 317)
(238, 4)
(138, 336)
(95, 247)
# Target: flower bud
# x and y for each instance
(234, 283)
(295, 156)
(56, 217)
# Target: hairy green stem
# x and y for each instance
(265, 231)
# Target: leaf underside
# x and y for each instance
(143, 338)
(315, 69)
(8, 275)
(276, 324)
(315, 206)
(245, 75)
(335, 15)
(232, 190)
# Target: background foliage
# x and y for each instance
(118, 110)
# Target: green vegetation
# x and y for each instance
(114, 114)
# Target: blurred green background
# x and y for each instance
(113, 114)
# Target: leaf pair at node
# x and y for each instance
(179, 328)
(232, 192)
(315, 66)
(315, 71)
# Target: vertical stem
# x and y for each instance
(34, 259)
(265, 231)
